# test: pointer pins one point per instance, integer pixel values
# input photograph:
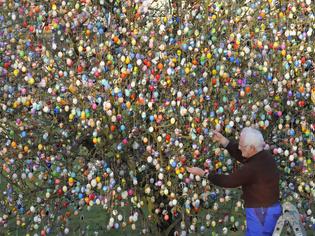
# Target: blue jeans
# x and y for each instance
(262, 221)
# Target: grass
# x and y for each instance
(95, 220)
(88, 222)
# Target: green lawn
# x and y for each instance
(95, 220)
(90, 221)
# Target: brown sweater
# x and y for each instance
(259, 178)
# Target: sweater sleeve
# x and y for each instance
(232, 148)
(242, 176)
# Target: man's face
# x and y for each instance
(247, 150)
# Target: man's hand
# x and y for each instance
(218, 137)
(196, 171)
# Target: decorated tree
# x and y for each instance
(104, 104)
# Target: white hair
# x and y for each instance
(253, 137)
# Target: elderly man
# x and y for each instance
(258, 176)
